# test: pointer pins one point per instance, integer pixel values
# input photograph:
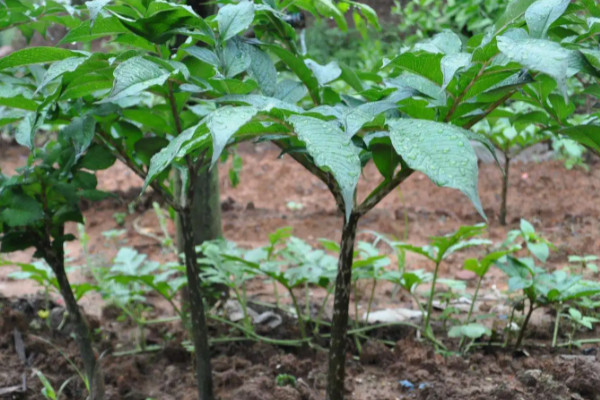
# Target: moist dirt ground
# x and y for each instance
(563, 205)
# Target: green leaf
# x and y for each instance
(351, 78)
(299, 68)
(22, 211)
(94, 7)
(87, 31)
(163, 159)
(324, 73)
(203, 54)
(385, 158)
(472, 331)
(234, 18)
(133, 76)
(15, 241)
(539, 250)
(223, 123)
(236, 58)
(354, 118)
(147, 147)
(48, 391)
(27, 129)
(20, 102)
(587, 135)
(446, 42)
(421, 63)
(290, 91)
(451, 64)
(329, 9)
(262, 103)
(332, 151)
(263, 70)
(80, 132)
(59, 68)
(36, 55)
(515, 10)
(526, 227)
(540, 55)
(162, 21)
(541, 14)
(97, 158)
(441, 151)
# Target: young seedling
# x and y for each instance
(480, 267)
(585, 262)
(540, 287)
(48, 390)
(441, 247)
(129, 280)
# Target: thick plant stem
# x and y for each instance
(502, 216)
(196, 308)
(337, 349)
(55, 258)
(205, 212)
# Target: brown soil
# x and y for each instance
(563, 205)
(409, 370)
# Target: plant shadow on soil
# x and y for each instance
(562, 204)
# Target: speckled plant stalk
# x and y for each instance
(337, 349)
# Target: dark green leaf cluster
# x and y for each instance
(44, 195)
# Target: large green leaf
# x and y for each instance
(94, 7)
(97, 158)
(293, 91)
(80, 132)
(440, 151)
(203, 54)
(102, 27)
(298, 66)
(27, 129)
(36, 55)
(163, 21)
(354, 118)
(540, 55)
(421, 63)
(236, 58)
(263, 70)
(223, 123)
(235, 18)
(59, 68)
(451, 64)
(446, 42)
(332, 150)
(515, 10)
(329, 9)
(163, 159)
(541, 14)
(135, 75)
(324, 73)
(20, 102)
(587, 135)
(21, 211)
(262, 103)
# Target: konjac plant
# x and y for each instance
(171, 91)
(37, 202)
